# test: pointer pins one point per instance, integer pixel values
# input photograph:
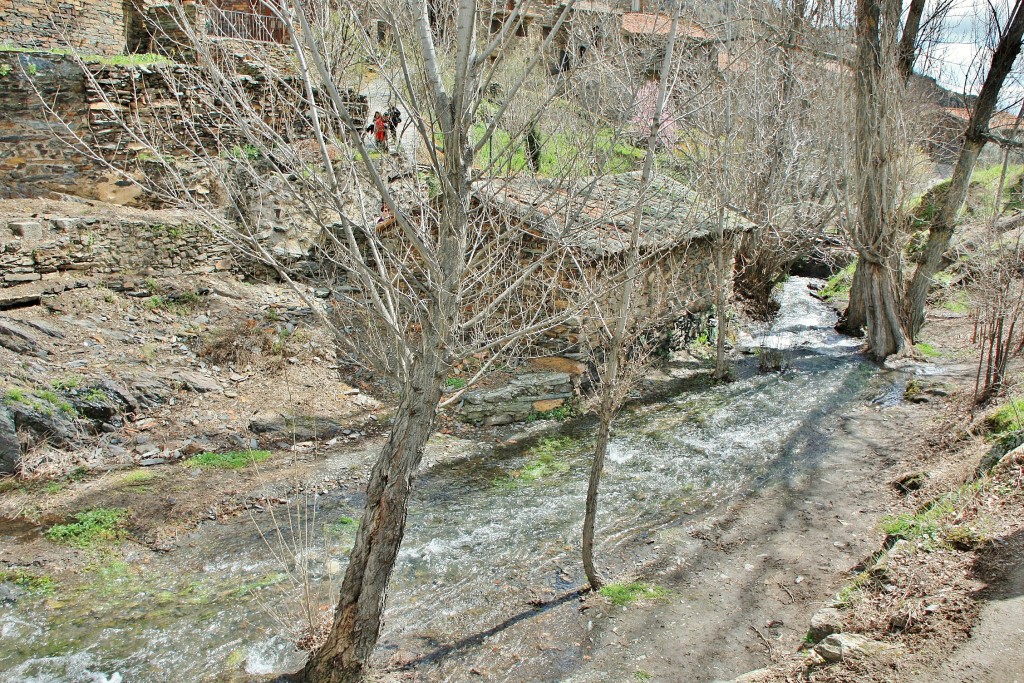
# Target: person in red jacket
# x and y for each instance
(380, 131)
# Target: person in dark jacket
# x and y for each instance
(394, 118)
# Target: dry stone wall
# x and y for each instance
(34, 249)
(33, 157)
(525, 395)
(90, 26)
(39, 153)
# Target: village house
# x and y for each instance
(116, 27)
(594, 217)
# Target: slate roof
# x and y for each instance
(641, 23)
(596, 214)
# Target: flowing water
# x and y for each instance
(484, 530)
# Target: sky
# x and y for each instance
(954, 59)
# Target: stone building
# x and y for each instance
(89, 26)
(680, 232)
(115, 27)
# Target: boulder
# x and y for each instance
(26, 230)
(120, 394)
(840, 646)
(45, 421)
(149, 389)
(14, 338)
(194, 381)
(824, 623)
(10, 449)
(295, 427)
(1011, 444)
(94, 405)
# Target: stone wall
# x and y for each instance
(89, 26)
(39, 154)
(525, 395)
(33, 158)
(39, 248)
(681, 283)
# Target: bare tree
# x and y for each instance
(878, 147)
(435, 282)
(615, 380)
(426, 272)
(940, 232)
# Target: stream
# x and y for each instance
(487, 530)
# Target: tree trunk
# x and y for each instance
(358, 618)
(596, 470)
(611, 397)
(874, 305)
(883, 323)
(854, 319)
(721, 301)
(908, 41)
(940, 233)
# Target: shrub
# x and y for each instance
(248, 340)
(100, 525)
(839, 284)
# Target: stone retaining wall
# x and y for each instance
(526, 394)
(53, 148)
(33, 157)
(91, 26)
(33, 249)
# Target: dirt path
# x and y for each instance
(744, 586)
(995, 651)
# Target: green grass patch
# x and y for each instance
(53, 487)
(92, 527)
(96, 396)
(849, 592)
(44, 401)
(926, 349)
(230, 460)
(34, 583)
(144, 59)
(55, 401)
(627, 593)
(957, 302)
(342, 525)
(546, 461)
(1008, 418)
(839, 284)
(185, 302)
(561, 413)
(138, 481)
(15, 395)
(67, 383)
(455, 383)
(561, 155)
(937, 524)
